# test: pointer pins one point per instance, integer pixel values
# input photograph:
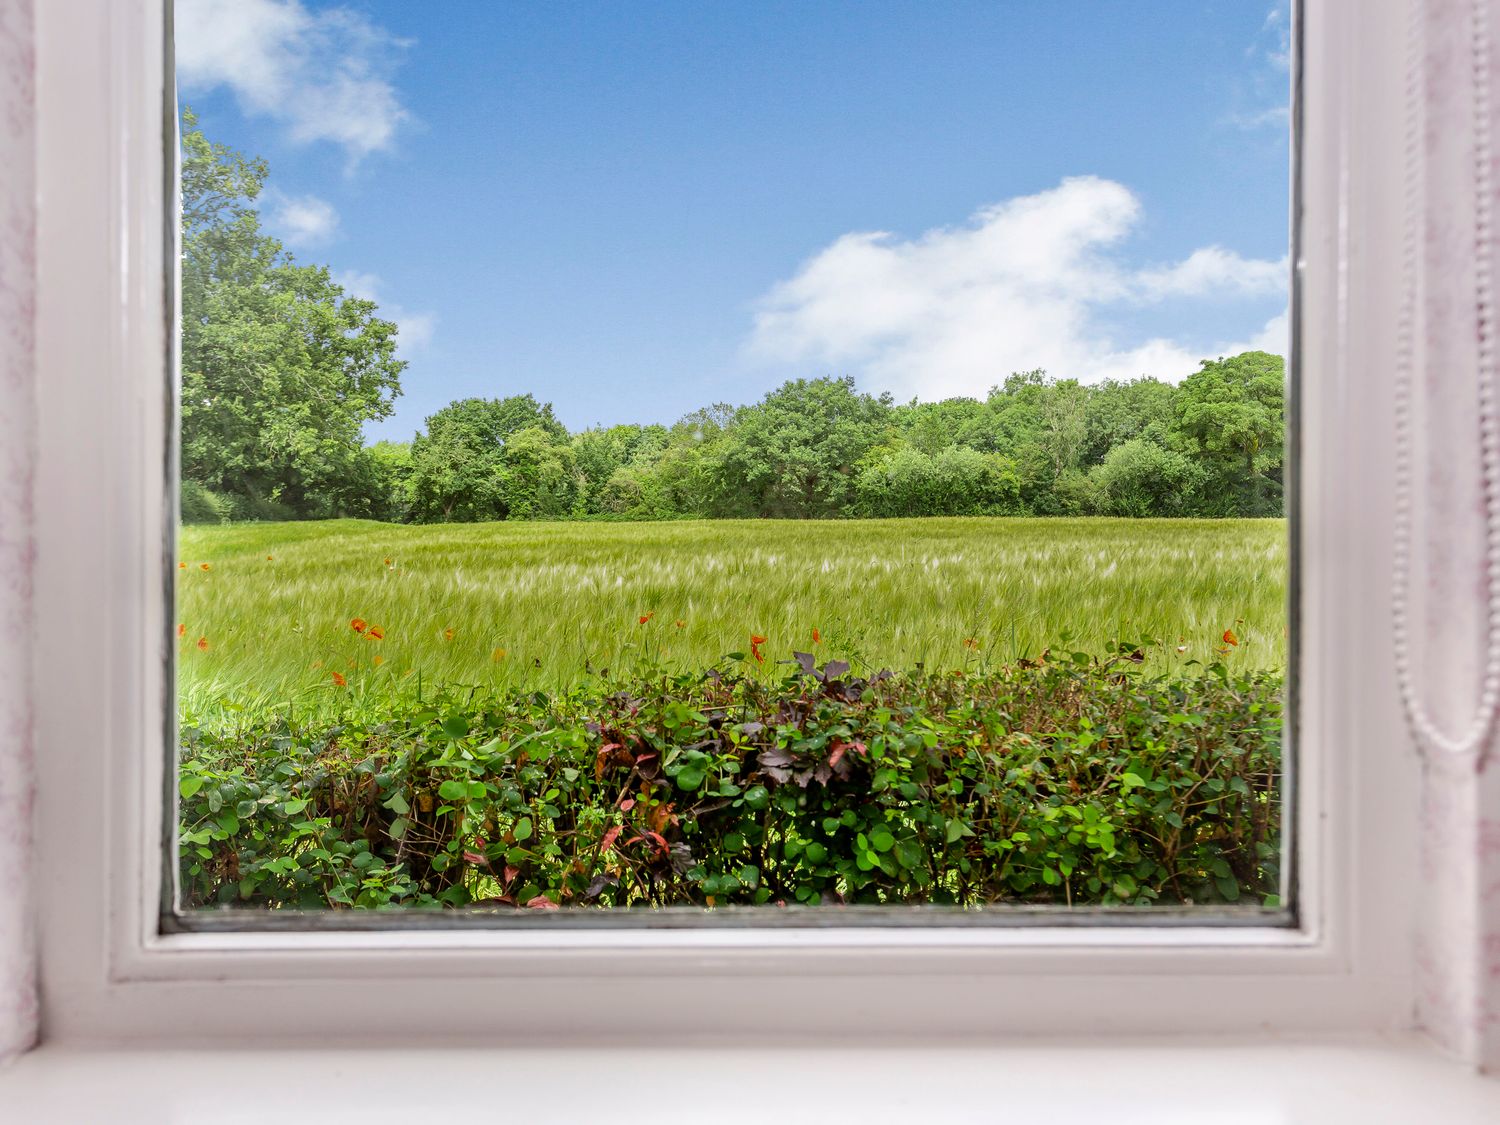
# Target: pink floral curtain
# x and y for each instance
(18, 1004)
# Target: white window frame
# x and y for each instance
(104, 341)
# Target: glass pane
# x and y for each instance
(779, 457)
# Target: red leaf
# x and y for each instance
(475, 857)
(838, 752)
(661, 843)
(608, 841)
(541, 902)
(627, 804)
(511, 873)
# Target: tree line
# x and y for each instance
(281, 369)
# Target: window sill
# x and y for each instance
(1239, 1083)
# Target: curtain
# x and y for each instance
(18, 1003)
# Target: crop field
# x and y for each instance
(312, 614)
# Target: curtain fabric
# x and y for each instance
(1457, 969)
(18, 1003)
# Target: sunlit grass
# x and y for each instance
(536, 604)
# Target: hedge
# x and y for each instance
(1067, 780)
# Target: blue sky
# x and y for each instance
(633, 210)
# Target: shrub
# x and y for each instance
(199, 505)
(1067, 780)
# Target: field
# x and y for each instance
(265, 610)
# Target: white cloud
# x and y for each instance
(1020, 285)
(413, 329)
(1213, 269)
(301, 220)
(324, 74)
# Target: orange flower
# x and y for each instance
(971, 642)
(680, 623)
(645, 617)
(270, 558)
(379, 660)
(1230, 638)
(358, 624)
(376, 633)
(390, 562)
(498, 655)
(204, 566)
(756, 640)
(817, 636)
(338, 679)
(447, 634)
(181, 631)
(202, 644)
(182, 566)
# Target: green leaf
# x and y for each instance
(188, 786)
(522, 830)
(397, 804)
(453, 790)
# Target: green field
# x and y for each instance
(535, 604)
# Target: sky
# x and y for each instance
(635, 210)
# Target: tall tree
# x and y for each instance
(458, 467)
(1231, 413)
(796, 452)
(280, 368)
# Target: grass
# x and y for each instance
(536, 604)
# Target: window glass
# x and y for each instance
(760, 457)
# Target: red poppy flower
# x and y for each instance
(1230, 638)
(447, 634)
(338, 679)
(182, 566)
(204, 566)
(358, 624)
(817, 636)
(181, 631)
(376, 633)
(645, 617)
(202, 644)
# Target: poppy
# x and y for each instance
(376, 633)
(270, 558)
(756, 640)
(970, 642)
(358, 624)
(390, 562)
(338, 679)
(498, 655)
(204, 566)
(182, 566)
(647, 617)
(181, 631)
(680, 623)
(202, 644)
(379, 660)
(817, 636)
(1230, 638)
(447, 634)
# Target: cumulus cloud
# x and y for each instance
(300, 220)
(413, 329)
(325, 75)
(1022, 284)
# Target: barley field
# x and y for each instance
(308, 614)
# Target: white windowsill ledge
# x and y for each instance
(1282, 1083)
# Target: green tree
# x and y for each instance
(796, 452)
(1230, 414)
(1141, 478)
(458, 466)
(280, 369)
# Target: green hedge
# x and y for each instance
(1068, 780)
